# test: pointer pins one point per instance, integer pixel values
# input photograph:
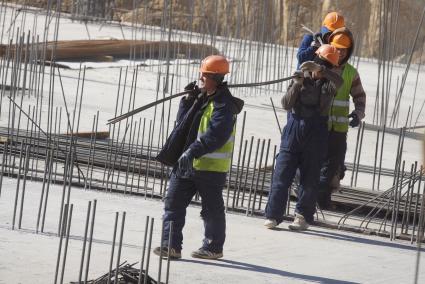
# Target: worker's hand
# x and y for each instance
(316, 40)
(315, 44)
(311, 66)
(355, 121)
(185, 164)
(300, 77)
(195, 90)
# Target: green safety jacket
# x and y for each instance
(338, 116)
(220, 159)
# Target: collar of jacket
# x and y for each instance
(220, 91)
(219, 97)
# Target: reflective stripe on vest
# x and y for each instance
(220, 159)
(338, 120)
(341, 103)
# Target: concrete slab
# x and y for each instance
(252, 253)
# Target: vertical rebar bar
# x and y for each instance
(80, 275)
(149, 251)
(120, 245)
(90, 240)
(111, 260)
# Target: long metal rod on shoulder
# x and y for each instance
(311, 32)
(145, 107)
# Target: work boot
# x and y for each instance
(270, 223)
(174, 254)
(299, 224)
(206, 254)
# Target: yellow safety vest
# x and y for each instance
(338, 116)
(220, 159)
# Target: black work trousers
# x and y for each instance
(333, 165)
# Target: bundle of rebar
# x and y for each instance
(124, 274)
(132, 169)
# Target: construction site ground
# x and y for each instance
(252, 254)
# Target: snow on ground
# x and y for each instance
(252, 254)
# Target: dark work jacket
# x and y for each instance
(306, 51)
(184, 134)
(313, 97)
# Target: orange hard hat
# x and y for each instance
(328, 53)
(333, 21)
(340, 40)
(215, 64)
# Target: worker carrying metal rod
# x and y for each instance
(340, 117)
(312, 41)
(160, 101)
(304, 138)
(334, 32)
(200, 149)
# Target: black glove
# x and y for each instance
(317, 38)
(195, 90)
(355, 121)
(185, 164)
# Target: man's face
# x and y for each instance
(207, 83)
(343, 52)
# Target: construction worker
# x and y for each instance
(310, 43)
(307, 100)
(340, 118)
(210, 112)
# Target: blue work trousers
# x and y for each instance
(303, 146)
(209, 185)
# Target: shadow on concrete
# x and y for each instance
(350, 238)
(268, 270)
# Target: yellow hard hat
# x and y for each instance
(333, 21)
(340, 40)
